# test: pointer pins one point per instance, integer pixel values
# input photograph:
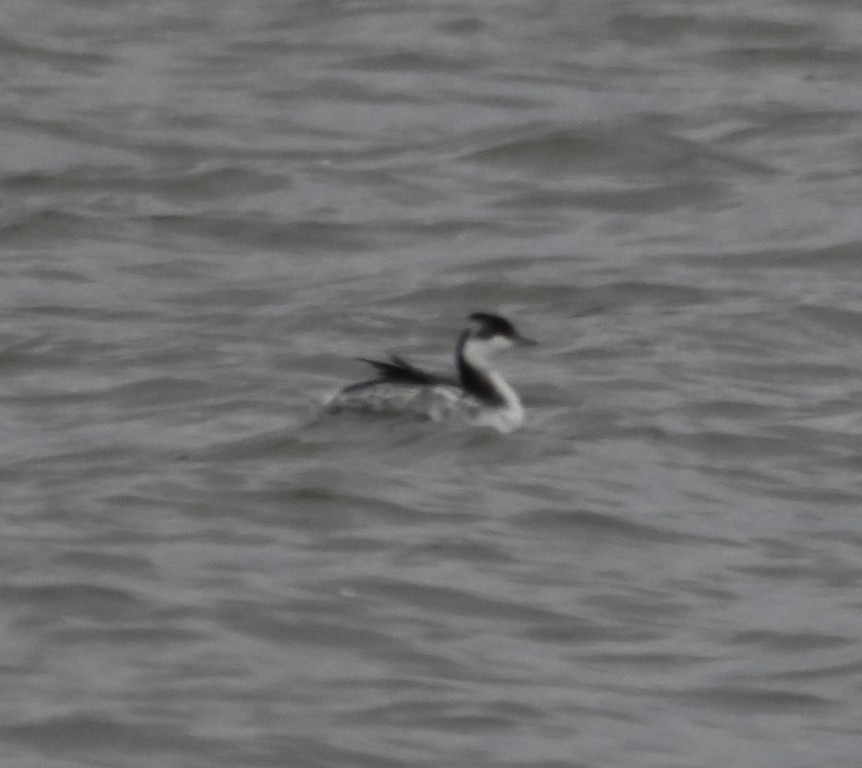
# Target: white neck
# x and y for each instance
(511, 414)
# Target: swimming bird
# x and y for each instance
(479, 395)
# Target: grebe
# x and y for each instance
(478, 396)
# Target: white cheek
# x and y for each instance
(499, 343)
(477, 351)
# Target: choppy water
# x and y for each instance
(210, 207)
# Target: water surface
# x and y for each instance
(211, 208)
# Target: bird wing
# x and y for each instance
(398, 370)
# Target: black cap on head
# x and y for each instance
(488, 325)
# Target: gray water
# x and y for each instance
(210, 208)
